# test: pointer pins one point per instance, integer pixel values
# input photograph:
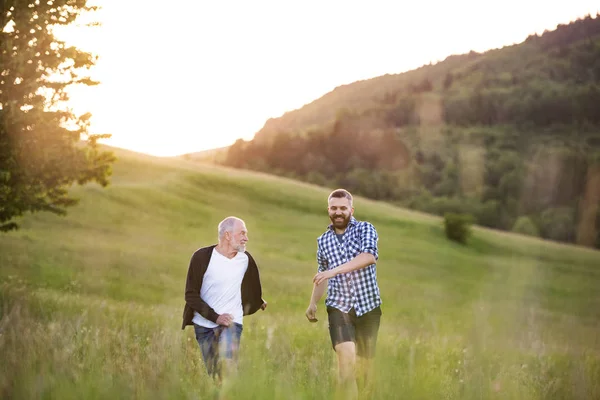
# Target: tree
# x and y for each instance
(448, 80)
(44, 146)
(558, 224)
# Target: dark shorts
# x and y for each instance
(347, 327)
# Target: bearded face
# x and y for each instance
(238, 246)
(340, 210)
(239, 237)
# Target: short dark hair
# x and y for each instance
(340, 194)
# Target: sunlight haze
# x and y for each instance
(197, 75)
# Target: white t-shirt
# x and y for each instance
(222, 287)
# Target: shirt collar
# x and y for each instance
(352, 222)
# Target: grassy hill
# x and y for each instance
(91, 303)
(207, 156)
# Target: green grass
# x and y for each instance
(91, 303)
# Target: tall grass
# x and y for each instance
(91, 303)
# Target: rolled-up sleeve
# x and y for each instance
(369, 239)
(321, 260)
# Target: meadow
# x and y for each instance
(91, 303)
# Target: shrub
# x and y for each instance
(458, 226)
(524, 225)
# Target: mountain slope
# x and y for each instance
(515, 63)
(511, 136)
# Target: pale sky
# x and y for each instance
(189, 75)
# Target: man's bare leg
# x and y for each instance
(346, 356)
(365, 376)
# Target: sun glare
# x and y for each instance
(200, 80)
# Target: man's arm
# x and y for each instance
(369, 255)
(317, 293)
(360, 261)
(192, 291)
(318, 290)
(252, 299)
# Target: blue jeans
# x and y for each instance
(217, 343)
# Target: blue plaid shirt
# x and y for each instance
(358, 288)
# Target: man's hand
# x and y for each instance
(322, 276)
(263, 306)
(225, 319)
(311, 313)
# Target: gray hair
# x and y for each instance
(227, 225)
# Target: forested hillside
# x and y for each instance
(510, 136)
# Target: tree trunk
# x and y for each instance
(588, 208)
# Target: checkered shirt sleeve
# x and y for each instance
(321, 260)
(369, 239)
(359, 288)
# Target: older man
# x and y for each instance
(223, 285)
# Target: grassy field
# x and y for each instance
(91, 303)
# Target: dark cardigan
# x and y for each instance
(251, 289)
